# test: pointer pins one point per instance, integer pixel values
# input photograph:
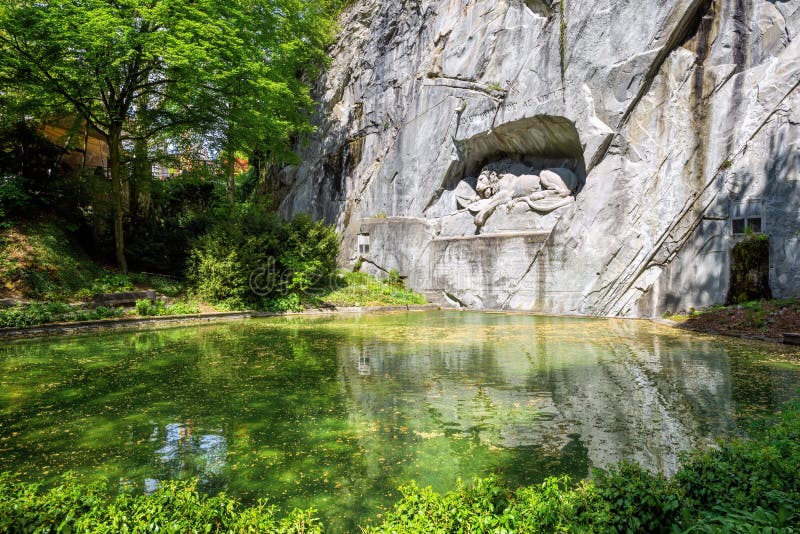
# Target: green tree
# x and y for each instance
(134, 69)
(260, 95)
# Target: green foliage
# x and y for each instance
(41, 261)
(251, 258)
(763, 471)
(393, 278)
(35, 314)
(111, 282)
(637, 500)
(173, 508)
(230, 74)
(750, 269)
(285, 303)
(182, 308)
(178, 211)
(361, 289)
(744, 486)
(170, 287)
(29, 178)
(12, 197)
(146, 308)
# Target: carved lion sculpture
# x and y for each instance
(507, 184)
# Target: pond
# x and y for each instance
(336, 412)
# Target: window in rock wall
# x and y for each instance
(747, 214)
(363, 243)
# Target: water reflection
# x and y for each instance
(336, 413)
(628, 392)
(202, 454)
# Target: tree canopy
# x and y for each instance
(232, 73)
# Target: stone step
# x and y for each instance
(791, 339)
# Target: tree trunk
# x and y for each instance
(115, 148)
(230, 170)
(142, 171)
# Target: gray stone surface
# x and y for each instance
(671, 113)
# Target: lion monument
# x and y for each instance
(508, 183)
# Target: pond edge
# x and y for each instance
(125, 323)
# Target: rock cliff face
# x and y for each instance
(680, 120)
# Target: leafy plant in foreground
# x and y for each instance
(174, 507)
(146, 308)
(35, 314)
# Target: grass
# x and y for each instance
(39, 261)
(361, 289)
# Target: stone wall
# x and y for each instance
(675, 114)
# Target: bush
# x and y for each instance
(750, 270)
(173, 507)
(253, 259)
(637, 500)
(22, 316)
(167, 286)
(177, 211)
(146, 308)
(745, 475)
(111, 282)
(182, 308)
(35, 314)
(12, 197)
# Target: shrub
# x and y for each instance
(255, 259)
(181, 308)
(284, 303)
(35, 314)
(744, 486)
(173, 507)
(750, 270)
(393, 278)
(763, 471)
(111, 282)
(101, 312)
(167, 286)
(12, 196)
(638, 501)
(146, 308)
(22, 316)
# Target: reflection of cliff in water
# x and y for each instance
(548, 390)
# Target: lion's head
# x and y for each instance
(487, 183)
